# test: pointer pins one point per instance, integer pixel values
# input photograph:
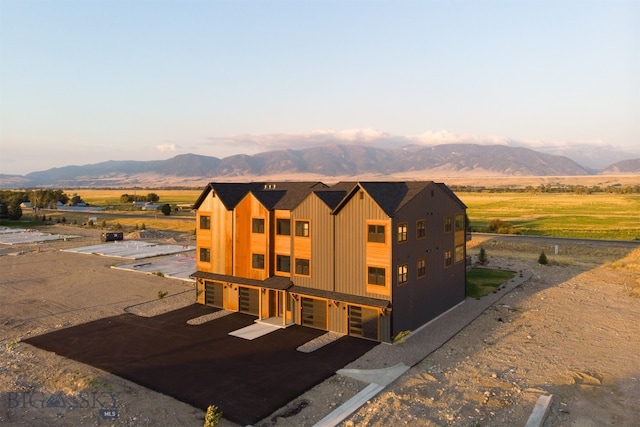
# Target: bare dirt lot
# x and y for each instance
(571, 331)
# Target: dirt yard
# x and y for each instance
(571, 331)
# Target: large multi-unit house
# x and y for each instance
(367, 259)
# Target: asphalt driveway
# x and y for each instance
(202, 364)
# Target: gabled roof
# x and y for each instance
(451, 194)
(331, 197)
(390, 196)
(274, 195)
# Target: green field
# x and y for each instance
(592, 216)
(481, 281)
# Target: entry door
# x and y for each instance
(248, 300)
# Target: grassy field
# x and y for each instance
(107, 197)
(481, 281)
(593, 216)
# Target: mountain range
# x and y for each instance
(344, 161)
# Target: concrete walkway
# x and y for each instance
(387, 362)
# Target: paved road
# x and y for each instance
(557, 240)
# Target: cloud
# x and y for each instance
(169, 146)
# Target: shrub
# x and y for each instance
(213, 416)
(162, 294)
(542, 259)
(482, 256)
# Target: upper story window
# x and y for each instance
(302, 267)
(459, 253)
(403, 274)
(402, 232)
(257, 225)
(421, 267)
(376, 276)
(283, 263)
(205, 255)
(283, 227)
(257, 261)
(302, 228)
(205, 222)
(421, 229)
(448, 258)
(447, 224)
(459, 222)
(375, 233)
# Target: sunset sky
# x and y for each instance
(87, 81)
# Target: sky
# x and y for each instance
(83, 82)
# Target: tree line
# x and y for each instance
(549, 188)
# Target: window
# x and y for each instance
(302, 266)
(302, 228)
(257, 261)
(447, 258)
(447, 224)
(283, 227)
(402, 232)
(205, 222)
(402, 273)
(421, 229)
(422, 267)
(459, 253)
(459, 222)
(257, 225)
(205, 255)
(376, 276)
(375, 233)
(283, 263)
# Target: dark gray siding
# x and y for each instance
(422, 299)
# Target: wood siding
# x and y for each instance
(353, 251)
(318, 247)
(247, 242)
(218, 238)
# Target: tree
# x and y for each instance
(166, 209)
(14, 211)
(542, 259)
(482, 256)
(152, 197)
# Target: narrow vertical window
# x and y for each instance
(205, 255)
(447, 224)
(205, 222)
(421, 229)
(402, 232)
(422, 267)
(459, 222)
(402, 273)
(448, 258)
(459, 253)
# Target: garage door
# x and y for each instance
(249, 300)
(314, 313)
(363, 322)
(213, 294)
